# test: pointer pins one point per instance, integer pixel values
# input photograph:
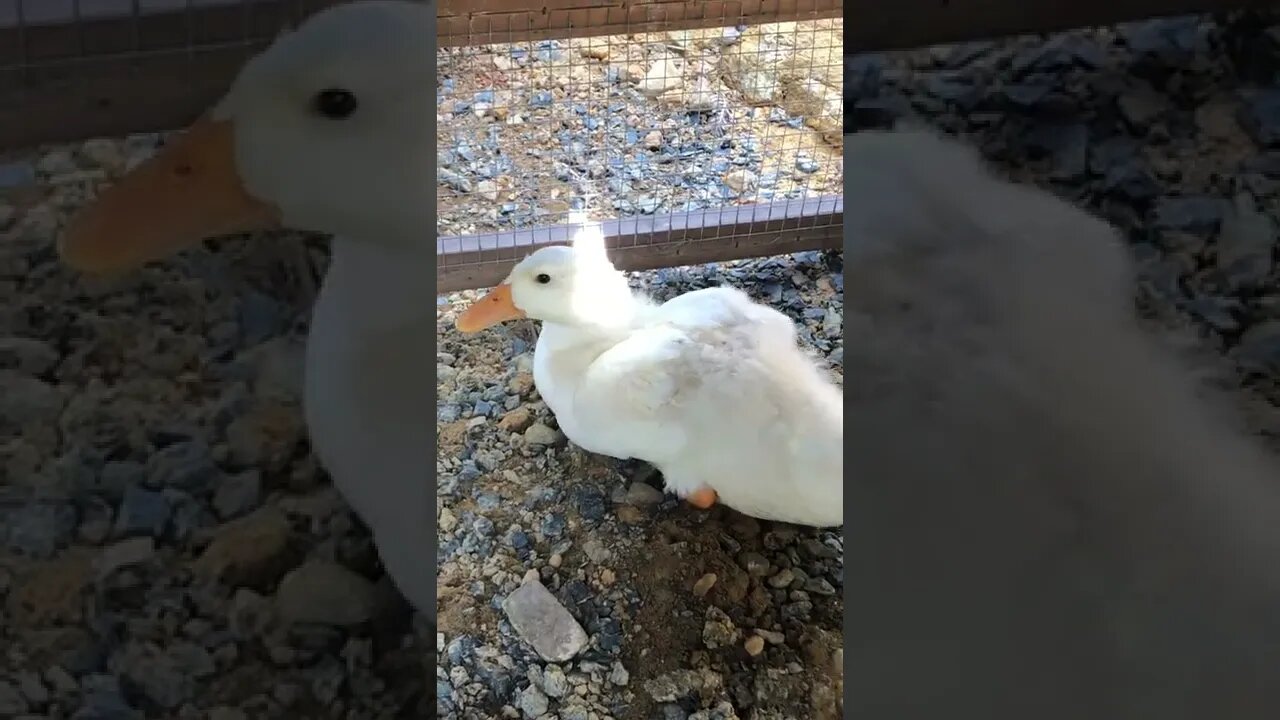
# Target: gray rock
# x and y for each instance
(117, 475)
(191, 659)
(1259, 349)
(596, 551)
(325, 593)
(554, 682)
(126, 553)
(238, 494)
(11, 700)
(544, 623)
(187, 465)
(1142, 107)
(718, 630)
(250, 614)
(1191, 213)
(32, 688)
(27, 401)
(1245, 244)
(642, 495)
(1065, 144)
(27, 355)
(154, 674)
(540, 434)
(676, 685)
(782, 579)
(1260, 117)
(533, 703)
(17, 174)
(1131, 181)
(39, 529)
(104, 705)
(142, 512)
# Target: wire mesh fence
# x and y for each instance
(696, 133)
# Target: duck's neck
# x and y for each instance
(373, 288)
(610, 322)
(565, 350)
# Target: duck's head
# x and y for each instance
(327, 130)
(573, 285)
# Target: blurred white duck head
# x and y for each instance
(574, 285)
(327, 130)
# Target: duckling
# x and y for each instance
(709, 387)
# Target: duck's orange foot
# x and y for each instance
(702, 498)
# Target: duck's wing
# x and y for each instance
(700, 350)
(626, 396)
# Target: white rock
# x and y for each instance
(540, 620)
(741, 180)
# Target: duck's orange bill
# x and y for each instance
(190, 190)
(494, 308)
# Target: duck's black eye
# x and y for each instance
(543, 278)
(336, 103)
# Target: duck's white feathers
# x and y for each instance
(713, 390)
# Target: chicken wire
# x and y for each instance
(695, 133)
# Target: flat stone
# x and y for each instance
(325, 593)
(540, 620)
(238, 494)
(1259, 349)
(142, 512)
(39, 529)
(29, 356)
(540, 434)
(133, 551)
(1190, 213)
(187, 465)
(12, 702)
(1260, 117)
(554, 682)
(17, 174)
(718, 630)
(642, 495)
(1245, 244)
(253, 551)
(533, 703)
(680, 684)
(27, 401)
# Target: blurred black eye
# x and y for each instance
(335, 103)
(543, 278)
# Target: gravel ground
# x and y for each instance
(169, 549)
(636, 125)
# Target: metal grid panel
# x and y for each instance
(695, 136)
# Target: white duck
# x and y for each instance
(709, 387)
(327, 130)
